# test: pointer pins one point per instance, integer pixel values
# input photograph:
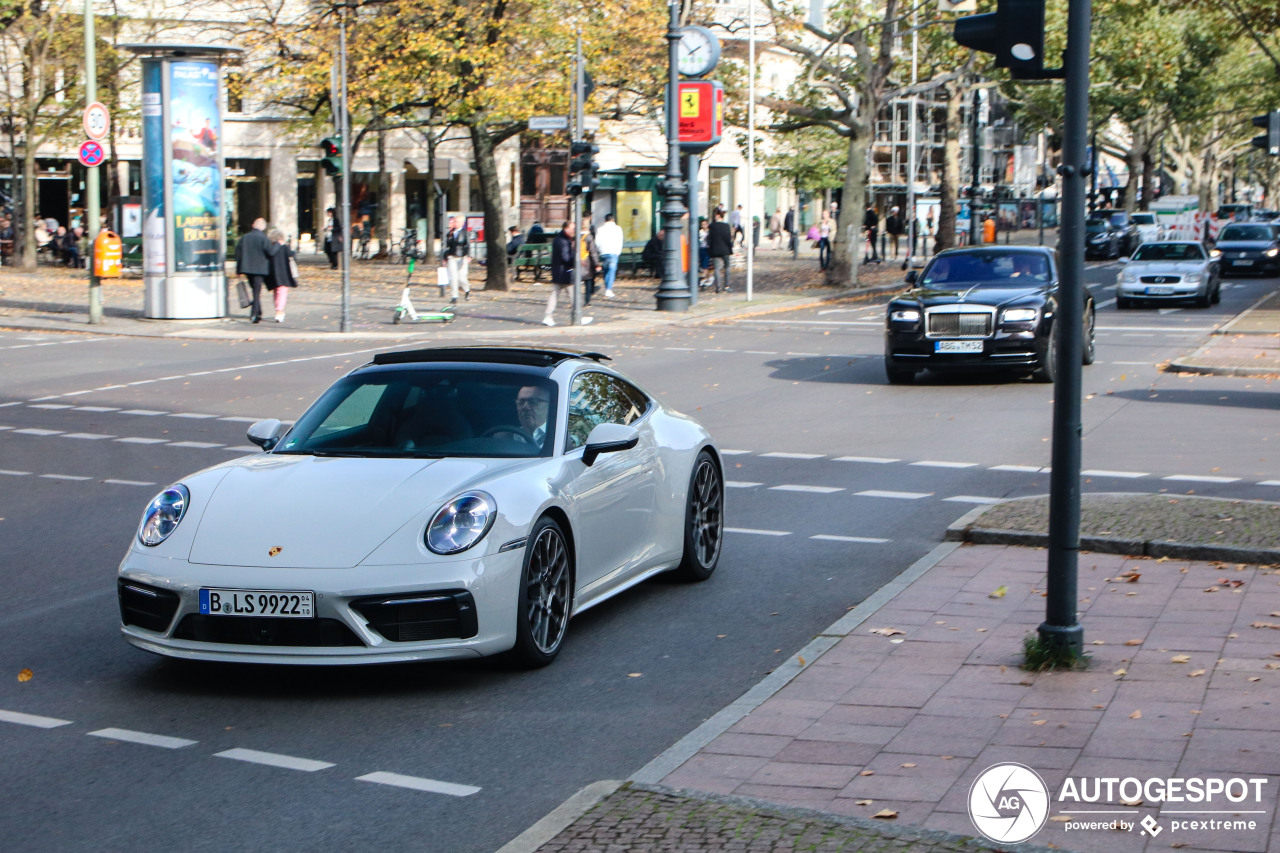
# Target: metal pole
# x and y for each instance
(911, 147)
(751, 147)
(695, 232)
(91, 187)
(673, 293)
(345, 135)
(1061, 629)
(575, 209)
(975, 153)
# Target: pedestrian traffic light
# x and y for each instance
(582, 167)
(1269, 141)
(332, 160)
(1014, 34)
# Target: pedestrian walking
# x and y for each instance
(332, 238)
(253, 261)
(735, 222)
(720, 247)
(561, 271)
(895, 228)
(871, 227)
(457, 258)
(281, 271)
(824, 241)
(609, 243)
(590, 260)
(775, 229)
(704, 253)
(789, 225)
(755, 232)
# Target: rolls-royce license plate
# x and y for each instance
(282, 604)
(957, 346)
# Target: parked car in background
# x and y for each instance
(1250, 247)
(439, 503)
(1122, 220)
(1235, 212)
(1169, 271)
(1149, 228)
(981, 307)
(1102, 239)
(1265, 215)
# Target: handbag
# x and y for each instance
(242, 289)
(442, 277)
(814, 233)
(293, 269)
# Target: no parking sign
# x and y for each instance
(92, 153)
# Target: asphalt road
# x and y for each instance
(838, 482)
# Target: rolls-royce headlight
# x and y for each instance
(163, 514)
(1018, 315)
(461, 523)
(905, 315)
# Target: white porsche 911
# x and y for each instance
(440, 503)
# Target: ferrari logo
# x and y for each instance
(276, 549)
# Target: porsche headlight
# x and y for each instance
(461, 523)
(163, 514)
(1018, 315)
(905, 315)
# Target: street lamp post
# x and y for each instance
(91, 186)
(673, 293)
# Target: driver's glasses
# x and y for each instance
(533, 402)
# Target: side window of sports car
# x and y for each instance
(597, 398)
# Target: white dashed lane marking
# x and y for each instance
(144, 738)
(34, 431)
(32, 720)
(1129, 475)
(874, 460)
(819, 490)
(1192, 478)
(906, 496)
(133, 439)
(865, 540)
(416, 783)
(929, 463)
(781, 455)
(972, 499)
(274, 759)
(755, 532)
(740, 484)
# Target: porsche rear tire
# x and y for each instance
(703, 521)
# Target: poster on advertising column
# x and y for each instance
(195, 128)
(153, 216)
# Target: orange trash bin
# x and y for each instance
(108, 255)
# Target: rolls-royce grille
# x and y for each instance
(955, 325)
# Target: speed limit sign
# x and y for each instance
(97, 121)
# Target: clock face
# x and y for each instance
(698, 51)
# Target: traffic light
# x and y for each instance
(1014, 33)
(332, 160)
(1269, 141)
(582, 167)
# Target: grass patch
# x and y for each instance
(1040, 656)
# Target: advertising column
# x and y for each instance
(183, 239)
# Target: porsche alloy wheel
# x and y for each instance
(704, 521)
(546, 595)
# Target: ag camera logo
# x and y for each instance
(1008, 803)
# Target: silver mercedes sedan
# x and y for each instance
(1169, 270)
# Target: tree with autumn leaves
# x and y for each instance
(482, 68)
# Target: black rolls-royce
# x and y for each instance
(979, 308)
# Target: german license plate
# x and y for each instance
(1242, 263)
(281, 604)
(957, 346)
(1159, 291)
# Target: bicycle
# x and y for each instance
(407, 248)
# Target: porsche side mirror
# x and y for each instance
(266, 434)
(608, 438)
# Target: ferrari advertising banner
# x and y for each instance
(195, 126)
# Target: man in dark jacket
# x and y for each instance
(562, 260)
(789, 225)
(871, 226)
(253, 261)
(720, 247)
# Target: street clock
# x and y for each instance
(697, 52)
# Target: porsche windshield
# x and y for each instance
(432, 412)
(989, 269)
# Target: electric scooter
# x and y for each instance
(404, 312)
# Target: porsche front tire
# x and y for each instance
(546, 596)
(703, 521)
